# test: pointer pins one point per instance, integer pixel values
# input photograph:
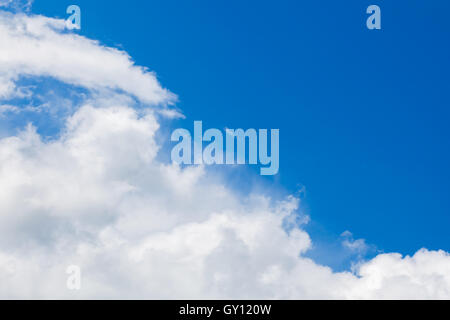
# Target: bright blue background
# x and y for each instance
(363, 115)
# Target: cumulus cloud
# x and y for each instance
(96, 196)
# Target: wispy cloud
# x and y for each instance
(38, 46)
(17, 5)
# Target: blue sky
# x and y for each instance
(363, 115)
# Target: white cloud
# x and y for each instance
(37, 46)
(358, 246)
(5, 3)
(96, 196)
(5, 108)
(16, 5)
